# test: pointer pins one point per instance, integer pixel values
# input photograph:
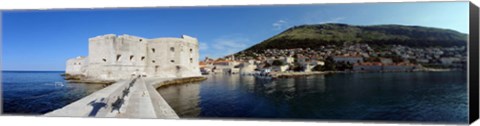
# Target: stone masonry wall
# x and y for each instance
(112, 57)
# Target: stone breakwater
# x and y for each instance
(296, 74)
(179, 81)
(128, 98)
(84, 79)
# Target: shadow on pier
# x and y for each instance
(97, 105)
(125, 98)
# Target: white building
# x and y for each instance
(386, 60)
(76, 66)
(226, 66)
(281, 68)
(287, 59)
(348, 59)
(449, 60)
(112, 57)
(422, 60)
(248, 69)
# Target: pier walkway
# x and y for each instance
(132, 98)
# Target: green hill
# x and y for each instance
(312, 36)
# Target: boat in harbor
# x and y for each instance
(263, 74)
(204, 72)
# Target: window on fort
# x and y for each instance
(143, 57)
(131, 57)
(79, 64)
(191, 50)
(172, 49)
(140, 40)
(156, 68)
(153, 50)
(173, 61)
(104, 60)
(191, 60)
(118, 57)
(74, 63)
(153, 61)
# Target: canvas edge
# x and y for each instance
(473, 86)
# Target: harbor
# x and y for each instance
(406, 96)
(364, 96)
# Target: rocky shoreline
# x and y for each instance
(302, 74)
(180, 81)
(297, 74)
(84, 79)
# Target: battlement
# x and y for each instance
(183, 38)
(106, 36)
(189, 37)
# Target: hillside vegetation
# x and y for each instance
(311, 36)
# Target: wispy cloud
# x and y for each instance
(226, 45)
(203, 46)
(279, 24)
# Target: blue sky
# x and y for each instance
(45, 39)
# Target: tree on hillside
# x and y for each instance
(297, 67)
(342, 66)
(317, 68)
(267, 65)
(329, 65)
(277, 63)
(307, 36)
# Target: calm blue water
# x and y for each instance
(417, 96)
(35, 92)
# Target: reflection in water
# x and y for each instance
(183, 98)
(415, 96)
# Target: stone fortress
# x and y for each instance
(112, 57)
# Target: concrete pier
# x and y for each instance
(131, 98)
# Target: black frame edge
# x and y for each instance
(473, 95)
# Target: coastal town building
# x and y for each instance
(368, 66)
(386, 60)
(287, 59)
(348, 59)
(379, 66)
(449, 60)
(76, 66)
(112, 57)
(247, 68)
(281, 68)
(225, 66)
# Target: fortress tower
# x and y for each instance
(112, 57)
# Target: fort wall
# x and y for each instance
(112, 57)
